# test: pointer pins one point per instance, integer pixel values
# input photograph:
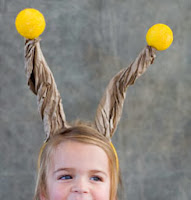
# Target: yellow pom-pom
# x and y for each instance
(30, 23)
(159, 36)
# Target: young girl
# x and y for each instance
(78, 164)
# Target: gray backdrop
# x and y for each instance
(85, 43)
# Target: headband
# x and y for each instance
(41, 82)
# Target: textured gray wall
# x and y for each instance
(85, 43)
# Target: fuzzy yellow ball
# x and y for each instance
(159, 36)
(30, 23)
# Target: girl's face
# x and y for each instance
(78, 171)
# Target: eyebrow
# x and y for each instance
(63, 169)
(72, 170)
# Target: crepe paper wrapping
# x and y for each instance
(41, 82)
(110, 107)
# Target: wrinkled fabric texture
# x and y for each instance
(110, 107)
(41, 82)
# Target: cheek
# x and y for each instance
(102, 193)
(57, 192)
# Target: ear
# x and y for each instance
(43, 194)
(110, 107)
(41, 82)
(43, 197)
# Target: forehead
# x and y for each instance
(73, 154)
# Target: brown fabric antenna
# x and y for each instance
(42, 84)
(111, 105)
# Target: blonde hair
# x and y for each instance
(83, 134)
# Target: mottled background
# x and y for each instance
(85, 43)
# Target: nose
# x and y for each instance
(80, 186)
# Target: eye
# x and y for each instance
(65, 177)
(96, 178)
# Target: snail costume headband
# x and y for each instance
(30, 23)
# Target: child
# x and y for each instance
(78, 164)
